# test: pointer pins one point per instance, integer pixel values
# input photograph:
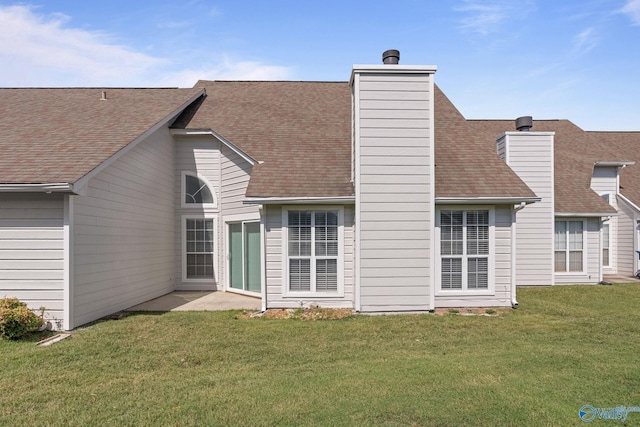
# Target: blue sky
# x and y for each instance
(496, 59)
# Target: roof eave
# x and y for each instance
(586, 214)
(53, 187)
(333, 200)
(485, 200)
(614, 164)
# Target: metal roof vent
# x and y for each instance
(524, 123)
(391, 56)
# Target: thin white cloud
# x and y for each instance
(485, 17)
(632, 10)
(44, 50)
(585, 40)
(226, 70)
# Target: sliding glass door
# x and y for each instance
(244, 256)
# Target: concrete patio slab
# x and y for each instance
(199, 301)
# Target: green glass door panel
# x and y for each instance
(235, 256)
(252, 256)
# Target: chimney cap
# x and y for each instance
(524, 123)
(391, 56)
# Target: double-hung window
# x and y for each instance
(569, 246)
(465, 250)
(606, 245)
(314, 251)
(198, 255)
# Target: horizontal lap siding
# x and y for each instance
(625, 241)
(32, 251)
(275, 264)
(502, 269)
(395, 200)
(531, 157)
(123, 232)
(201, 155)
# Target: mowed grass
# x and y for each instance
(537, 365)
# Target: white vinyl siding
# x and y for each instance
(276, 242)
(227, 174)
(625, 240)
(123, 241)
(197, 156)
(32, 252)
(604, 181)
(530, 155)
(591, 253)
(394, 189)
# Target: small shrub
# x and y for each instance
(490, 311)
(16, 320)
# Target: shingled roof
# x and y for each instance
(300, 132)
(575, 154)
(59, 135)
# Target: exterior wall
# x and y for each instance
(394, 188)
(123, 236)
(234, 178)
(530, 155)
(604, 180)
(199, 154)
(592, 256)
(228, 174)
(503, 229)
(32, 252)
(625, 239)
(275, 263)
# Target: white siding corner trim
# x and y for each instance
(68, 322)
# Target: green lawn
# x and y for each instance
(537, 365)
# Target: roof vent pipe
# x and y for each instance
(524, 123)
(391, 56)
(103, 96)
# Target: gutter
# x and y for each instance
(52, 187)
(514, 301)
(486, 200)
(339, 200)
(586, 214)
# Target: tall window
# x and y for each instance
(196, 191)
(605, 245)
(464, 249)
(199, 248)
(569, 243)
(313, 249)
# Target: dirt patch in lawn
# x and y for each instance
(494, 312)
(299, 313)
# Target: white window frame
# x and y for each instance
(239, 219)
(608, 247)
(183, 247)
(567, 250)
(285, 254)
(183, 184)
(439, 291)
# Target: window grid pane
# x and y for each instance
(199, 248)
(196, 191)
(451, 273)
(569, 243)
(313, 251)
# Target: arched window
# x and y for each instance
(196, 190)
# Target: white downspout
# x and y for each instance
(263, 255)
(514, 301)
